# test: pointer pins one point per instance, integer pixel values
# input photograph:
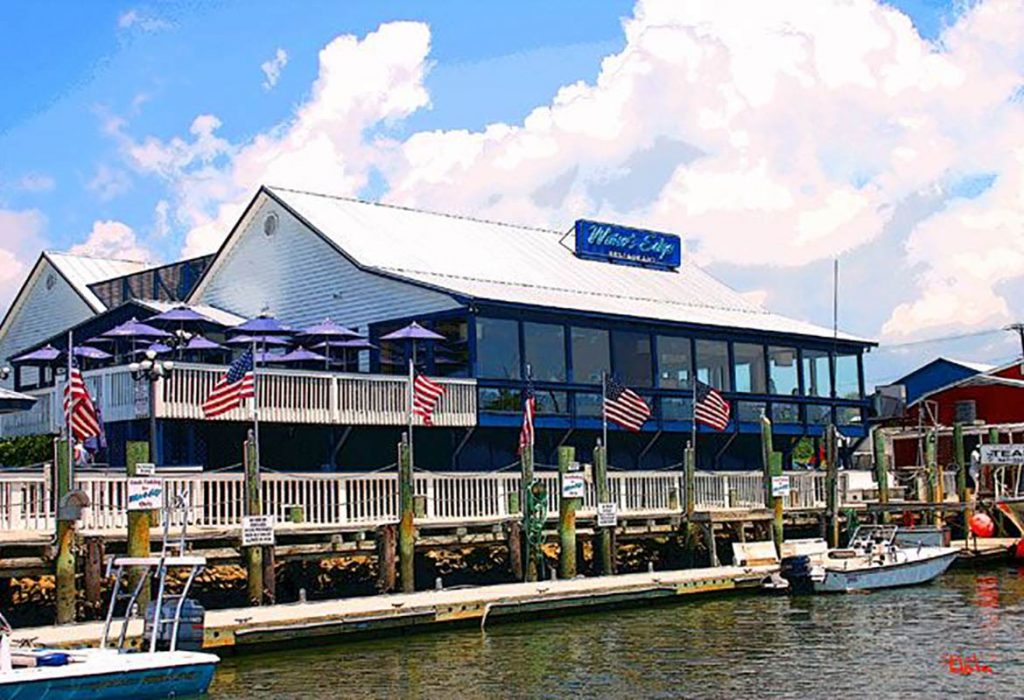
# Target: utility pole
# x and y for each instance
(1019, 328)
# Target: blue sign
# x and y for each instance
(621, 244)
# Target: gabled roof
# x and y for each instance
(981, 379)
(82, 270)
(499, 262)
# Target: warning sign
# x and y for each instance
(145, 493)
(780, 486)
(258, 531)
(607, 514)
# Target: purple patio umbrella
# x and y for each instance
(198, 342)
(273, 340)
(328, 329)
(300, 355)
(12, 401)
(43, 356)
(261, 326)
(356, 344)
(135, 329)
(183, 315)
(91, 353)
(411, 334)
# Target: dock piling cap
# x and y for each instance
(71, 505)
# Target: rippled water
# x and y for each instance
(883, 644)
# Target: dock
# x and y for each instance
(239, 630)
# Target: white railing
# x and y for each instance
(286, 396)
(217, 499)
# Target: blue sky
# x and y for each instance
(86, 83)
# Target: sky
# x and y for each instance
(774, 137)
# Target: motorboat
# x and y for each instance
(878, 556)
(162, 666)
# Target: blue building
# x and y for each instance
(508, 300)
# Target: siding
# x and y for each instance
(43, 313)
(301, 279)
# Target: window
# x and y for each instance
(847, 377)
(552, 402)
(748, 362)
(674, 366)
(392, 354)
(451, 356)
(676, 409)
(500, 401)
(749, 411)
(588, 405)
(965, 411)
(782, 371)
(544, 344)
(631, 358)
(848, 415)
(497, 348)
(589, 355)
(817, 378)
(819, 415)
(785, 413)
(713, 363)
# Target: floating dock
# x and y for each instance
(239, 630)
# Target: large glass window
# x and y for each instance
(819, 415)
(544, 344)
(589, 355)
(848, 415)
(713, 363)
(552, 402)
(847, 377)
(817, 378)
(451, 356)
(782, 377)
(785, 413)
(676, 409)
(588, 405)
(500, 401)
(749, 411)
(748, 362)
(497, 348)
(631, 358)
(674, 366)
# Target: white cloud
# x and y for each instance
(142, 21)
(109, 183)
(35, 182)
(21, 237)
(112, 239)
(272, 68)
(769, 134)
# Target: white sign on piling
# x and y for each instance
(145, 493)
(258, 531)
(145, 469)
(607, 514)
(1002, 454)
(780, 486)
(573, 486)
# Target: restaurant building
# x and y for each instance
(510, 301)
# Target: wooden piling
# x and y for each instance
(603, 551)
(690, 500)
(566, 517)
(253, 506)
(386, 544)
(832, 484)
(771, 470)
(406, 527)
(931, 466)
(94, 552)
(139, 521)
(514, 538)
(529, 556)
(881, 468)
(962, 465)
(64, 569)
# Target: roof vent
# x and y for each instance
(270, 224)
(51, 281)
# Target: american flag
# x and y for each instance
(79, 409)
(237, 384)
(624, 407)
(526, 434)
(710, 408)
(425, 395)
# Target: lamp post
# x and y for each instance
(151, 370)
(5, 372)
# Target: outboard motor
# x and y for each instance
(797, 571)
(190, 631)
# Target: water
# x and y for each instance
(878, 645)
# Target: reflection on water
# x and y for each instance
(884, 644)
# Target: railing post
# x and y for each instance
(139, 521)
(253, 506)
(406, 527)
(65, 563)
(566, 517)
(832, 484)
(605, 552)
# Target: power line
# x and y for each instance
(940, 339)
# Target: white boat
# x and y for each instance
(159, 670)
(872, 560)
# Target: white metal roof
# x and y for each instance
(515, 264)
(83, 270)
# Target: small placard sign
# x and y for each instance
(780, 486)
(258, 531)
(145, 469)
(607, 514)
(573, 486)
(1002, 454)
(145, 493)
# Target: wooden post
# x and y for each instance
(528, 555)
(139, 521)
(65, 564)
(771, 470)
(94, 551)
(709, 534)
(881, 466)
(605, 556)
(690, 499)
(386, 559)
(962, 465)
(832, 484)
(514, 537)
(931, 470)
(253, 506)
(406, 528)
(566, 517)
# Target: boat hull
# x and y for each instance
(909, 573)
(114, 679)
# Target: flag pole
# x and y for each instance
(255, 405)
(70, 400)
(409, 398)
(693, 423)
